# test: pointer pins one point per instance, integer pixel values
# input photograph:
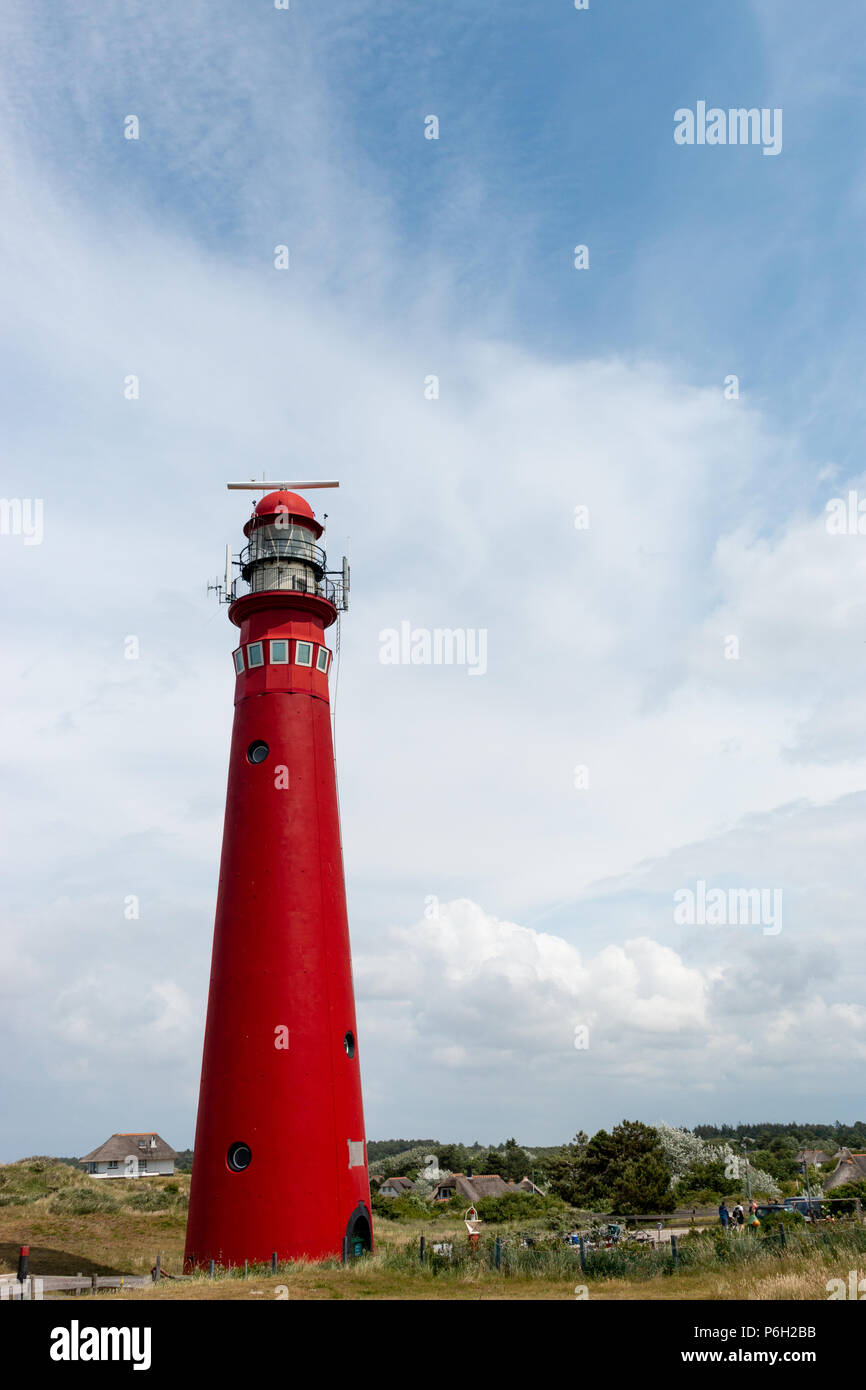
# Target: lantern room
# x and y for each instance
(282, 552)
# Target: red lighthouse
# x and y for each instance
(280, 1157)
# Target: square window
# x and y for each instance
(280, 653)
(304, 653)
(239, 660)
(255, 655)
(322, 659)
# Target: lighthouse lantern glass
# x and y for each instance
(283, 554)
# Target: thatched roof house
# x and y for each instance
(484, 1185)
(395, 1187)
(850, 1168)
(815, 1157)
(131, 1156)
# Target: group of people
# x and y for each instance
(738, 1216)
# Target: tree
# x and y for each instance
(624, 1169)
(643, 1186)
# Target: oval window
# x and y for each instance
(239, 1157)
(349, 1044)
(257, 751)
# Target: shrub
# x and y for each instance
(148, 1198)
(81, 1201)
(774, 1219)
(521, 1206)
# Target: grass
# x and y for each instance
(75, 1223)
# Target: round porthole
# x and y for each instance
(239, 1157)
(257, 751)
(349, 1044)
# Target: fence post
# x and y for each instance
(76, 1291)
(422, 1246)
(23, 1261)
(497, 1252)
(858, 1208)
(210, 1269)
(245, 1269)
(782, 1237)
(274, 1263)
(582, 1248)
(94, 1283)
(156, 1268)
(675, 1254)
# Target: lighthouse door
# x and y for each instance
(359, 1237)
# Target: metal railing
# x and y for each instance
(270, 548)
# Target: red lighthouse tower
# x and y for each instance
(280, 1156)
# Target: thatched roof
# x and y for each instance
(473, 1189)
(401, 1184)
(120, 1146)
(850, 1168)
(813, 1156)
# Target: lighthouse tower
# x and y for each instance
(280, 1157)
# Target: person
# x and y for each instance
(739, 1215)
(753, 1208)
(724, 1214)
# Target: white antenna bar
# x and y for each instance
(228, 569)
(262, 486)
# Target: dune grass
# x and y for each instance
(75, 1223)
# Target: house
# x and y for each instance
(526, 1185)
(395, 1187)
(815, 1157)
(850, 1168)
(471, 1189)
(131, 1156)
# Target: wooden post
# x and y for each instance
(94, 1283)
(675, 1254)
(581, 1245)
(32, 1287)
(76, 1291)
(345, 1250)
(245, 1269)
(422, 1246)
(782, 1236)
(156, 1268)
(210, 1270)
(497, 1252)
(858, 1209)
(274, 1263)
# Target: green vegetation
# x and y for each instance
(624, 1171)
(791, 1137)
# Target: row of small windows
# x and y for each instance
(279, 655)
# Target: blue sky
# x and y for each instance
(557, 388)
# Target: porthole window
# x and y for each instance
(258, 751)
(239, 660)
(239, 1157)
(322, 659)
(280, 653)
(304, 653)
(349, 1044)
(255, 654)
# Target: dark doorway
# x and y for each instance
(359, 1236)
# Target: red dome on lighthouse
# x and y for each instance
(287, 504)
